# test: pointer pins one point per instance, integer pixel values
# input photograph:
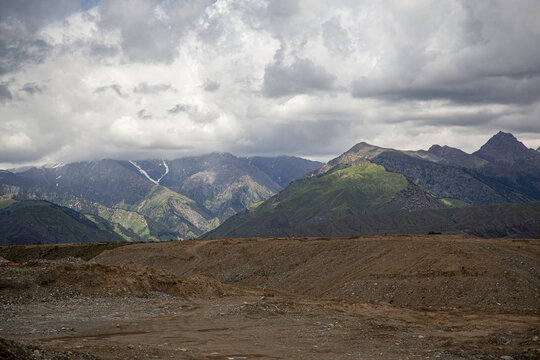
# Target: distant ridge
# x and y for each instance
(33, 221)
(160, 199)
(501, 171)
(486, 221)
(457, 157)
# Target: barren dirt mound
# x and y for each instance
(74, 276)
(23, 253)
(402, 270)
(395, 297)
(12, 350)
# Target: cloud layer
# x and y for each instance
(147, 78)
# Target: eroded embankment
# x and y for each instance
(402, 270)
(69, 277)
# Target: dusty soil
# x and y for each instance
(396, 297)
(53, 252)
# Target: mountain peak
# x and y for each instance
(358, 153)
(503, 147)
(503, 136)
(454, 156)
(363, 150)
(438, 149)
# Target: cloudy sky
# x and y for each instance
(137, 79)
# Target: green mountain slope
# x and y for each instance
(516, 220)
(343, 190)
(159, 199)
(367, 183)
(129, 224)
(31, 221)
(446, 173)
(175, 212)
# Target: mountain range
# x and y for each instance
(366, 190)
(159, 199)
(38, 221)
(347, 194)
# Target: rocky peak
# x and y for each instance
(444, 151)
(503, 147)
(454, 156)
(358, 153)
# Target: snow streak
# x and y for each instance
(166, 171)
(143, 172)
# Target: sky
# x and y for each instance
(136, 79)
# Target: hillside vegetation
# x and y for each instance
(375, 190)
(28, 222)
(153, 200)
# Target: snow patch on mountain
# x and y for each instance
(166, 171)
(144, 173)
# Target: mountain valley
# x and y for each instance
(366, 190)
(159, 199)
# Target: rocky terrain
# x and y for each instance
(220, 195)
(407, 297)
(154, 200)
(37, 221)
(363, 190)
(518, 220)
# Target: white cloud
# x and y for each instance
(141, 78)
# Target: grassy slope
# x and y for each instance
(6, 200)
(175, 211)
(32, 221)
(131, 225)
(344, 190)
(162, 215)
(517, 220)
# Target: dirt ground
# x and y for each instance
(394, 297)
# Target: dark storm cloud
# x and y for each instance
(36, 13)
(301, 77)
(144, 115)
(20, 22)
(5, 94)
(277, 15)
(114, 87)
(402, 74)
(32, 88)
(178, 108)
(101, 51)
(145, 88)
(150, 30)
(494, 57)
(210, 85)
(279, 139)
(336, 39)
(194, 113)
(493, 89)
(281, 8)
(479, 118)
(18, 49)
